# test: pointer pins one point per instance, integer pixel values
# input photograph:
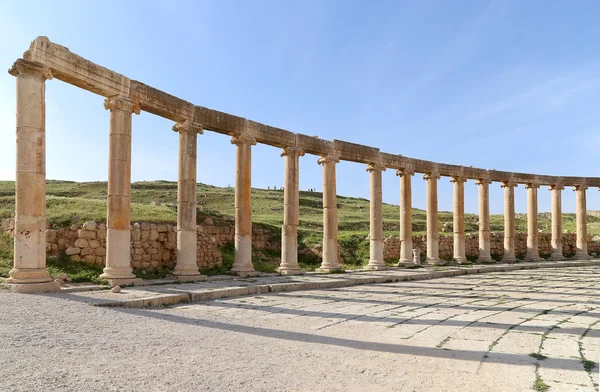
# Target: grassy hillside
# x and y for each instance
(71, 202)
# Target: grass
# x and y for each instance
(539, 357)
(539, 385)
(71, 202)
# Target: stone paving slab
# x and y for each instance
(157, 293)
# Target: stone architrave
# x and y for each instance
(484, 220)
(581, 252)
(556, 242)
(242, 263)
(186, 268)
(29, 273)
(459, 219)
(376, 261)
(532, 223)
(406, 243)
(509, 221)
(291, 211)
(330, 222)
(118, 269)
(433, 255)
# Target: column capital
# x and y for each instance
(483, 181)
(292, 151)
(508, 184)
(188, 126)
(243, 139)
(25, 67)
(330, 158)
(119, 102)
(431, 176)
(580, 187)
(532, 186)
(407, 171)
(458, 179)
(556, 187)
(375, 166)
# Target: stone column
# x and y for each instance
(581, 252)
(29, 273)
(459, 219)
(376, 261)
(484, 220)
(532, 223)
(186, 268)
(433, 256)
(291, 210)
(406, 244)
(242, 263)
(118, 269)
(509, 221)
(330, 223)
(557, 253)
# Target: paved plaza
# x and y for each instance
(503, 331)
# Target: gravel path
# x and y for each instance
(467, 333)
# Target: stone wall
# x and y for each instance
(153, 246)
(392, 245)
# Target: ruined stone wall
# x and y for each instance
(392, 245)
(153, 246)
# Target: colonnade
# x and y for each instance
(30, 215)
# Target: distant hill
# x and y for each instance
(155, 201)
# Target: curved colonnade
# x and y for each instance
(46, 60)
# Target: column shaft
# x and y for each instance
(581, 222)
(484, 220)
(432, 218)
(29, 266)
(459, 219)
(118, 269)
(376, 261)
(243, 205)
(291, 211)
(556, 242)
(406, 244)
(330, 222)
(187, 235)
(509, 221)
(532, 223)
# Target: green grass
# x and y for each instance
(539, 385)
(155, 201)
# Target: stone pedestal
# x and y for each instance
(532, 223)
(556, 242)
(509, 222)
(484, 221)
(118, 269)
(330, 224)
(29, 273)
(376, 261)
(581, 252)
(433, 255)
(291, 210)
(243, 205)
(458, 223)
(406, 244)
(187, 236)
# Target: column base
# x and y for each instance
(28, 276)
(433, 261)
(186, 271)
(460, 260)
(247, 274)
(510, 260)
(557, 257)
(485, 259)
(25, 288)
(582, 256)
(376, 265)
(122, 273)
(532, 258)
(290, 271)
(190, 278)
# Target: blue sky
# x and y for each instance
(506, 85)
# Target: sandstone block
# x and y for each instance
(101, 234)
(86, 234)
(89, 259)
(136, 234)
(94, 244)
(136, 226)
(81, 243)
(145, 226)
(91, 226)
(153, 235)
(72, 251)
(162, 228)
(100, 251)
(87, 251)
